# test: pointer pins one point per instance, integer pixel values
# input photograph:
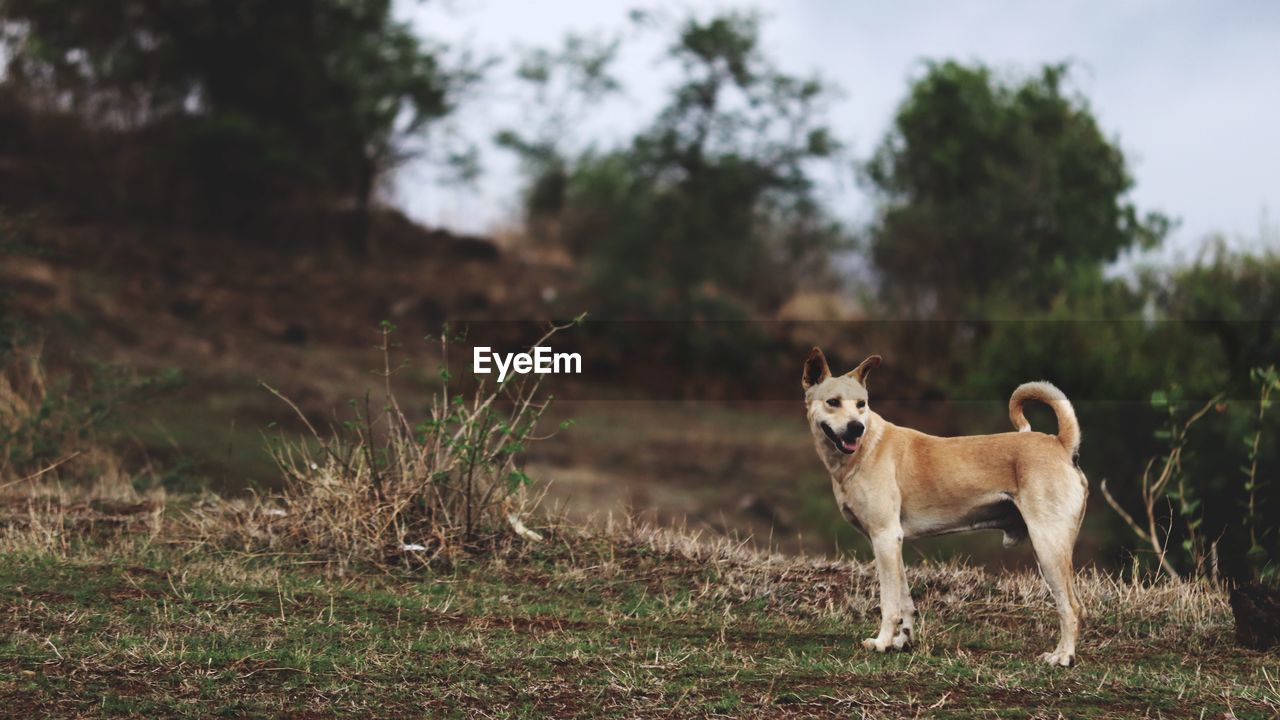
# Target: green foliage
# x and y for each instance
(1182, 493)
(1224, 307)
(267, 99)
(1232, 300)
(1014, 184)
(710, 211)
(1177, 481)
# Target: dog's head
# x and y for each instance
(837, 405)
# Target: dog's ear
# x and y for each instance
(815, 369)
(860, 373)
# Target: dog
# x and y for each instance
(893, 482)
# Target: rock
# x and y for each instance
(1257, 612)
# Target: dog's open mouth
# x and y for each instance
(848, 447)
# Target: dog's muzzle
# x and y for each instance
(848, 441)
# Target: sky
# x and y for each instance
(1190, 90)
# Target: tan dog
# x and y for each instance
(893, 483)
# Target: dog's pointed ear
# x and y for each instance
(860, 373)
(815, 369)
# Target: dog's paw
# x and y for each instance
(902, 641)
(1059, 658)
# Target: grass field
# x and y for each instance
(110, 609)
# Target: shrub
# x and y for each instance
(383, 487)
(1175, 494)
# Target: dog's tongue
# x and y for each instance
(850, 446)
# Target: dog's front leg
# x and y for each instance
(905, 637)
(894, 633)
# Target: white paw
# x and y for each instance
(902, 640)
(1060, 658)
(876, 644)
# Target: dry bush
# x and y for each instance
(44, 424)
(24, 396)
(382, 487)
(58, 481)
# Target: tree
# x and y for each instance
(1233, 300)
(564, 86)
(710, 211)
(992, 188)
(306, 95)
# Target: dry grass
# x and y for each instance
(52, 518)
(1132, 607)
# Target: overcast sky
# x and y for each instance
(1191, 90)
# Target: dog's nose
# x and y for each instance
(854, 430)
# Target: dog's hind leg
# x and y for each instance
(895, 597)
(1053, 528)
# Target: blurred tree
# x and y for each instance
(1002, 189)
(563, 87)
(268, 97)
(1232, 299)
(710, 212)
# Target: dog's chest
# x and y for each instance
(859, 502)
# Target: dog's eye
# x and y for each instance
(834, 402)
(862, 404)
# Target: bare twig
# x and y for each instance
(38, 473)
(1153, 491)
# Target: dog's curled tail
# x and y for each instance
(1068, 427)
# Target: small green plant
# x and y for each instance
(1267, 381)
(1170, 485)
